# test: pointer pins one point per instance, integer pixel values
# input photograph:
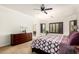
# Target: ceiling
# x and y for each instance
(24, 8)
(29, 9)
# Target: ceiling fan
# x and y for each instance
(44, 9)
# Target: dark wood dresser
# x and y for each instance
(20, 38)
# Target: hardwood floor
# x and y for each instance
(24, 48)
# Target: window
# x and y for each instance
(56, 27)
(42, 28)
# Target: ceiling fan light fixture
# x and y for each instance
(44, 9)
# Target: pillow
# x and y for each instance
(65, 40)
(50, 34)
(74, 38)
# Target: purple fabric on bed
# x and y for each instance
(65, 46)
(65, 40)
(74, 38)
(66, 49)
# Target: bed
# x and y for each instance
(48, 44)
(52, 44)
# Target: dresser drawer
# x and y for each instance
(20, 38)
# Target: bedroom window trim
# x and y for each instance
(60, 25)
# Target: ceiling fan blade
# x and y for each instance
(45, 12)
(48, 8)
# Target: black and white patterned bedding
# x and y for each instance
(49, 43)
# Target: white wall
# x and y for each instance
(65, 23)
(65, 15)
(11, 22)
